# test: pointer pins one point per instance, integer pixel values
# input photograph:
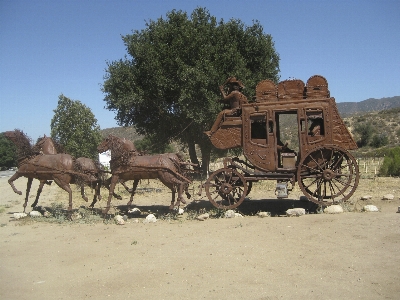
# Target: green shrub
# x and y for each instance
(391, 163)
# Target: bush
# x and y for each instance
(379, 140)
(391, 163)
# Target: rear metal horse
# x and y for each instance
(128, 165)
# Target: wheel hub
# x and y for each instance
(328, 175)
(226, 188)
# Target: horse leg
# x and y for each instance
(96, 194)
(187, 191)
(65, 186)
(28, 188)
(113, 183)
(11, 182)
(83, 193)
(133, 190)
(180, 192)
(107, 185)
(173, 197)
(42, 182)
(126, 187)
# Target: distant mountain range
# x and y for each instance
(349, 108)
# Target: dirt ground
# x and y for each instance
(315, 256)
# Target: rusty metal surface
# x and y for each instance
(259, 128)
(42, 162)
(127, 164)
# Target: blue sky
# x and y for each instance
(55, 46)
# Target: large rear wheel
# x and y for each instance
(226, 188)
(328, 175)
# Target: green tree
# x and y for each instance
(365, 131)
(75, 127)
(150, 146)
(167, 86)
(8, 153)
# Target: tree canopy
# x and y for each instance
(8, 152)
(75, 127)
(167, 86)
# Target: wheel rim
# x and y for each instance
(328, 175)
(226, 188)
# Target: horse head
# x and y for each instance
(106, 144)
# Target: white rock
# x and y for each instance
(333, 209)
(203, 217)
(366, 197)
(19, 215)
(295, 212)
(119, 220)
(238, 215)
(134, 211)
(150, 219)
(388, 197)
(370, 208)
(180, 211)
(263, 214)
(229, 214)
(35, 214)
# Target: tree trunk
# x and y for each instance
(192, 152)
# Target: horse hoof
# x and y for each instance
(19, 193)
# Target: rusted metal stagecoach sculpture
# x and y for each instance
(319, 160)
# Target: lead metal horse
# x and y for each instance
(56, 167)
(128, 165)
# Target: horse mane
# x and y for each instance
(58, 146)
(119, 154)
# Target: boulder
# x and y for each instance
(203, 217)
(370, 208)
(264, 214)
(366, 197)
(333, 209)
(35, 214)
(229, 214)
(19, 215)
(295, 212)
(119, 220)
(388, 197)
(150, 219)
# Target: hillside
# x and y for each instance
(349, 108)
(128, 133)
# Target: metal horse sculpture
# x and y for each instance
(127, 165)
(56, 167)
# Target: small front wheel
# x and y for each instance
(226, 188)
